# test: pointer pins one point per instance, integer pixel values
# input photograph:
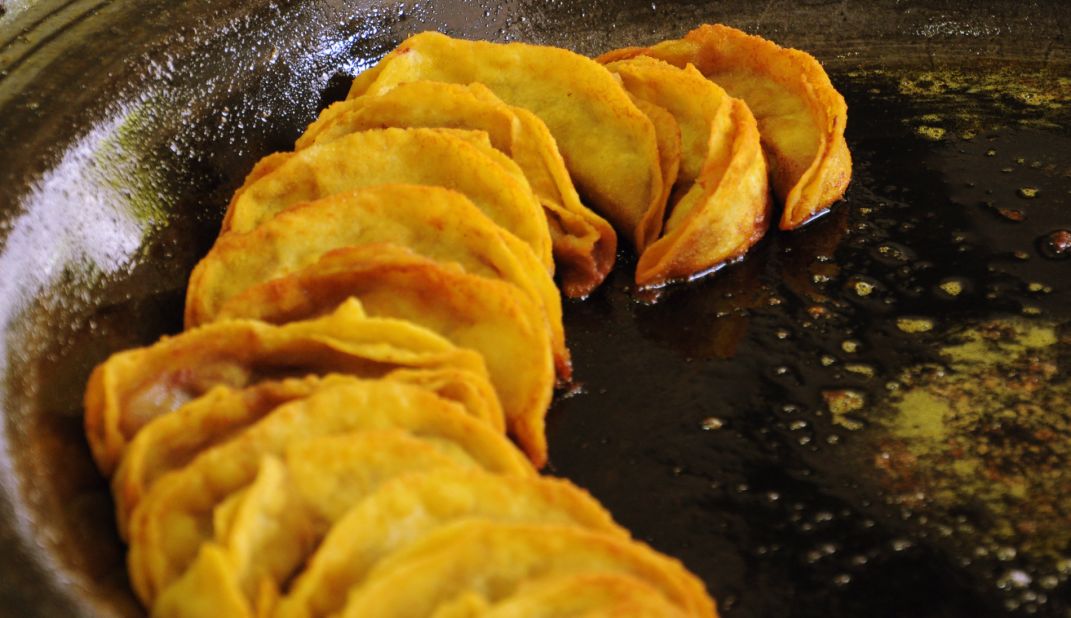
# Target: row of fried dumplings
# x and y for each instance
(328, 436)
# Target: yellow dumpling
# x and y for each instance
(607, 143)
(584, 243)
(207, 589)
(173, 440)
(263, 532)
(720, 206)
(493, 559)
(404, 510)
(491, 317)
(801, 116)
(585, 596)
(456, 159)
(668, 136)
(432, 221)
(132, 388)
(176, 517)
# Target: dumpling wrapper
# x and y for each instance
(585, 596)
(588, 595)
(668, 135)
(174, 518)
(262, 533)
(456, 159)
(493, 559)
(406, 509)
(491, 317)
(432, 221)
(607, 143)
(133, 387)
(208, 589)
(585, 245)
(801, 116)
(173, 440)
(698, 105)
(721, 206)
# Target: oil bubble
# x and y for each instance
(1055, 245)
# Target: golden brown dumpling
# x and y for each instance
(588, 595)
(404, 510)
(456, 159)
(668, 135)
(801, 117)
(432, 221)
(132, 388)
(721, 204)
(173, 440)
(608, 144)
(493, 559)
(492, 317)
(584, 243)
(176, 517)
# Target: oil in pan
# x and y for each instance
(905, 449)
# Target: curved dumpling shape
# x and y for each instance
(263, 532)
(491, 317)
(456, 159)
(721, 204)
(585, 245)
(584, 596)
(607, 143)
(801, 116)
(173, 440)
(668, 136)
(134, 387)
(491, 559)
(176, 517)
(206, 589)
(406, 509)
(432, 221)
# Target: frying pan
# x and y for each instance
(745, 423)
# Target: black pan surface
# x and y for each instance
(868, 417)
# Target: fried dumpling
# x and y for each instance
(456, 159)
(406, 509)
(263, 532)
(493, 559)
(176, 516)
(173, 440)
(721, 204)
(584, 243)
(206, 589)
(432, 221)
(800, 114)
(668, 135)
(588, 595)
(133, 387)
(492, 317)
(607, 143)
